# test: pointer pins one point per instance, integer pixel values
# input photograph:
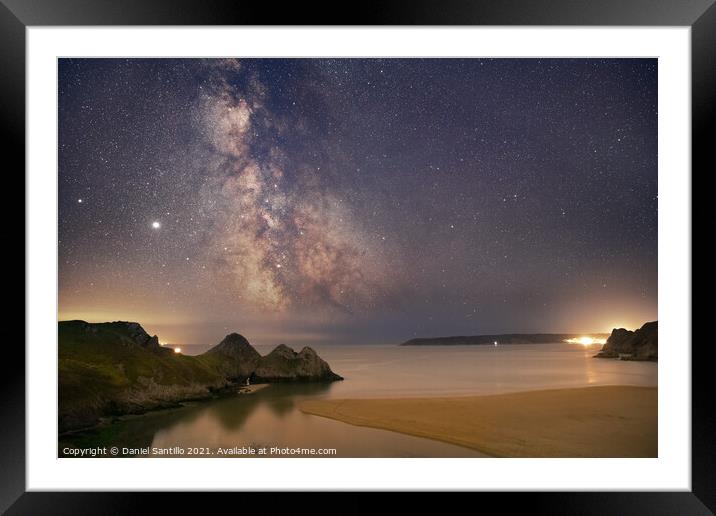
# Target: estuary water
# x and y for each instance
(269, 418)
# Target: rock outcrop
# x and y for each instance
(642, 344)
(283, 364)
(234, 357)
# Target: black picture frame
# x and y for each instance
(700, 15)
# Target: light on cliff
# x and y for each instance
(177, 350)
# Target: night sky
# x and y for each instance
(358, 200)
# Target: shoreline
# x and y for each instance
(600, 421)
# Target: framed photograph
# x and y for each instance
(417, 250)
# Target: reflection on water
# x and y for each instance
(270, 417)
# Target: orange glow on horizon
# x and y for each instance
(586, 341)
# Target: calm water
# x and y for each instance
(270, 417)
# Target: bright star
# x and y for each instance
(156, 224)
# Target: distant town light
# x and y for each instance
(586, 341)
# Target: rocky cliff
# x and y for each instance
(110, 369)
(234, 357)
(283, 364)
(642, 344)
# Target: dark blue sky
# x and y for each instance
(358, 200)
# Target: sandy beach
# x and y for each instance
(604, 421)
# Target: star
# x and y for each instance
(156, 224)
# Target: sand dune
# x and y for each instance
(605, 421)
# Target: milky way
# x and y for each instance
(278, 240)
(358, 200)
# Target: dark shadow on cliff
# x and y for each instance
(135, 431)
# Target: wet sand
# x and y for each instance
(604, 421)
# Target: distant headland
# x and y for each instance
(502, 338)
